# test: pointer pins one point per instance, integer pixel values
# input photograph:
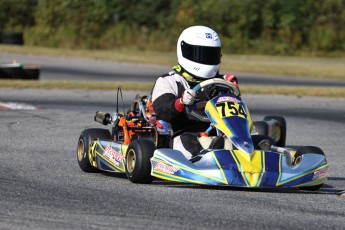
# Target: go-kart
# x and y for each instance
(246, 153)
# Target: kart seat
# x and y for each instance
(217, 143)
(206, 142)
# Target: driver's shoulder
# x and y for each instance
(170, 77)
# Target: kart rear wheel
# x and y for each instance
(298, 157)
(282, 123)
(83, 148)
(138, 165)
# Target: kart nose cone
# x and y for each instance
(244, 145)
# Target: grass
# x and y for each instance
(57, 84)
(245, 89)
(289, 66)
(332, 68)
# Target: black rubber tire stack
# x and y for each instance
(20, 72)
(12, 38)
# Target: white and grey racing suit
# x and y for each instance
(166, 96)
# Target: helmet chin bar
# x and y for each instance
(198, 70)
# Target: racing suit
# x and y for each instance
(167, 105)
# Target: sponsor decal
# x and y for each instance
(208, 35)
(166, 168)
(113, 155)
(320, 174)
(227, 98)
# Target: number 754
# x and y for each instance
(231, 108)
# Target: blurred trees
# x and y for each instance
(69, 23)
(245, 26)
(16, 15)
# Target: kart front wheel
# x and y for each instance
(298, 157)
(262, 142)
(138, 165)
(261, 128)
(282, 126)
(83, 148)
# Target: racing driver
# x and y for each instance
(199, 56)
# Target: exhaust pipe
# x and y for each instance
(287, 153)
(103, 118)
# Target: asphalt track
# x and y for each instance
(42, 187)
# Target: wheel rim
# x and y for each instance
(81, 150)
(131, 158)
(297, 160)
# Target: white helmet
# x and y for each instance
(199, 51)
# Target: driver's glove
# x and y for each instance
(188, 97)
(231, 78)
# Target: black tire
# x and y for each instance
(261, 127)
(12, 38)
(282, 123)
(32, 72)
(12, 72)
(138, 165)
(307, 150)
(17, 71)
(3, 74)
(83, 148)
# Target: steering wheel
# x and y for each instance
(191, 109)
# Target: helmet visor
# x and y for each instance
(207, 55)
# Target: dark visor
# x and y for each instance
(201, 54)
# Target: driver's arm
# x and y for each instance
(166, 97)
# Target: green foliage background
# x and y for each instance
(312, 27)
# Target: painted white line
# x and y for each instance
(16, 106)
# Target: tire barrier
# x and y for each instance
(19, 71)
(12, 38)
